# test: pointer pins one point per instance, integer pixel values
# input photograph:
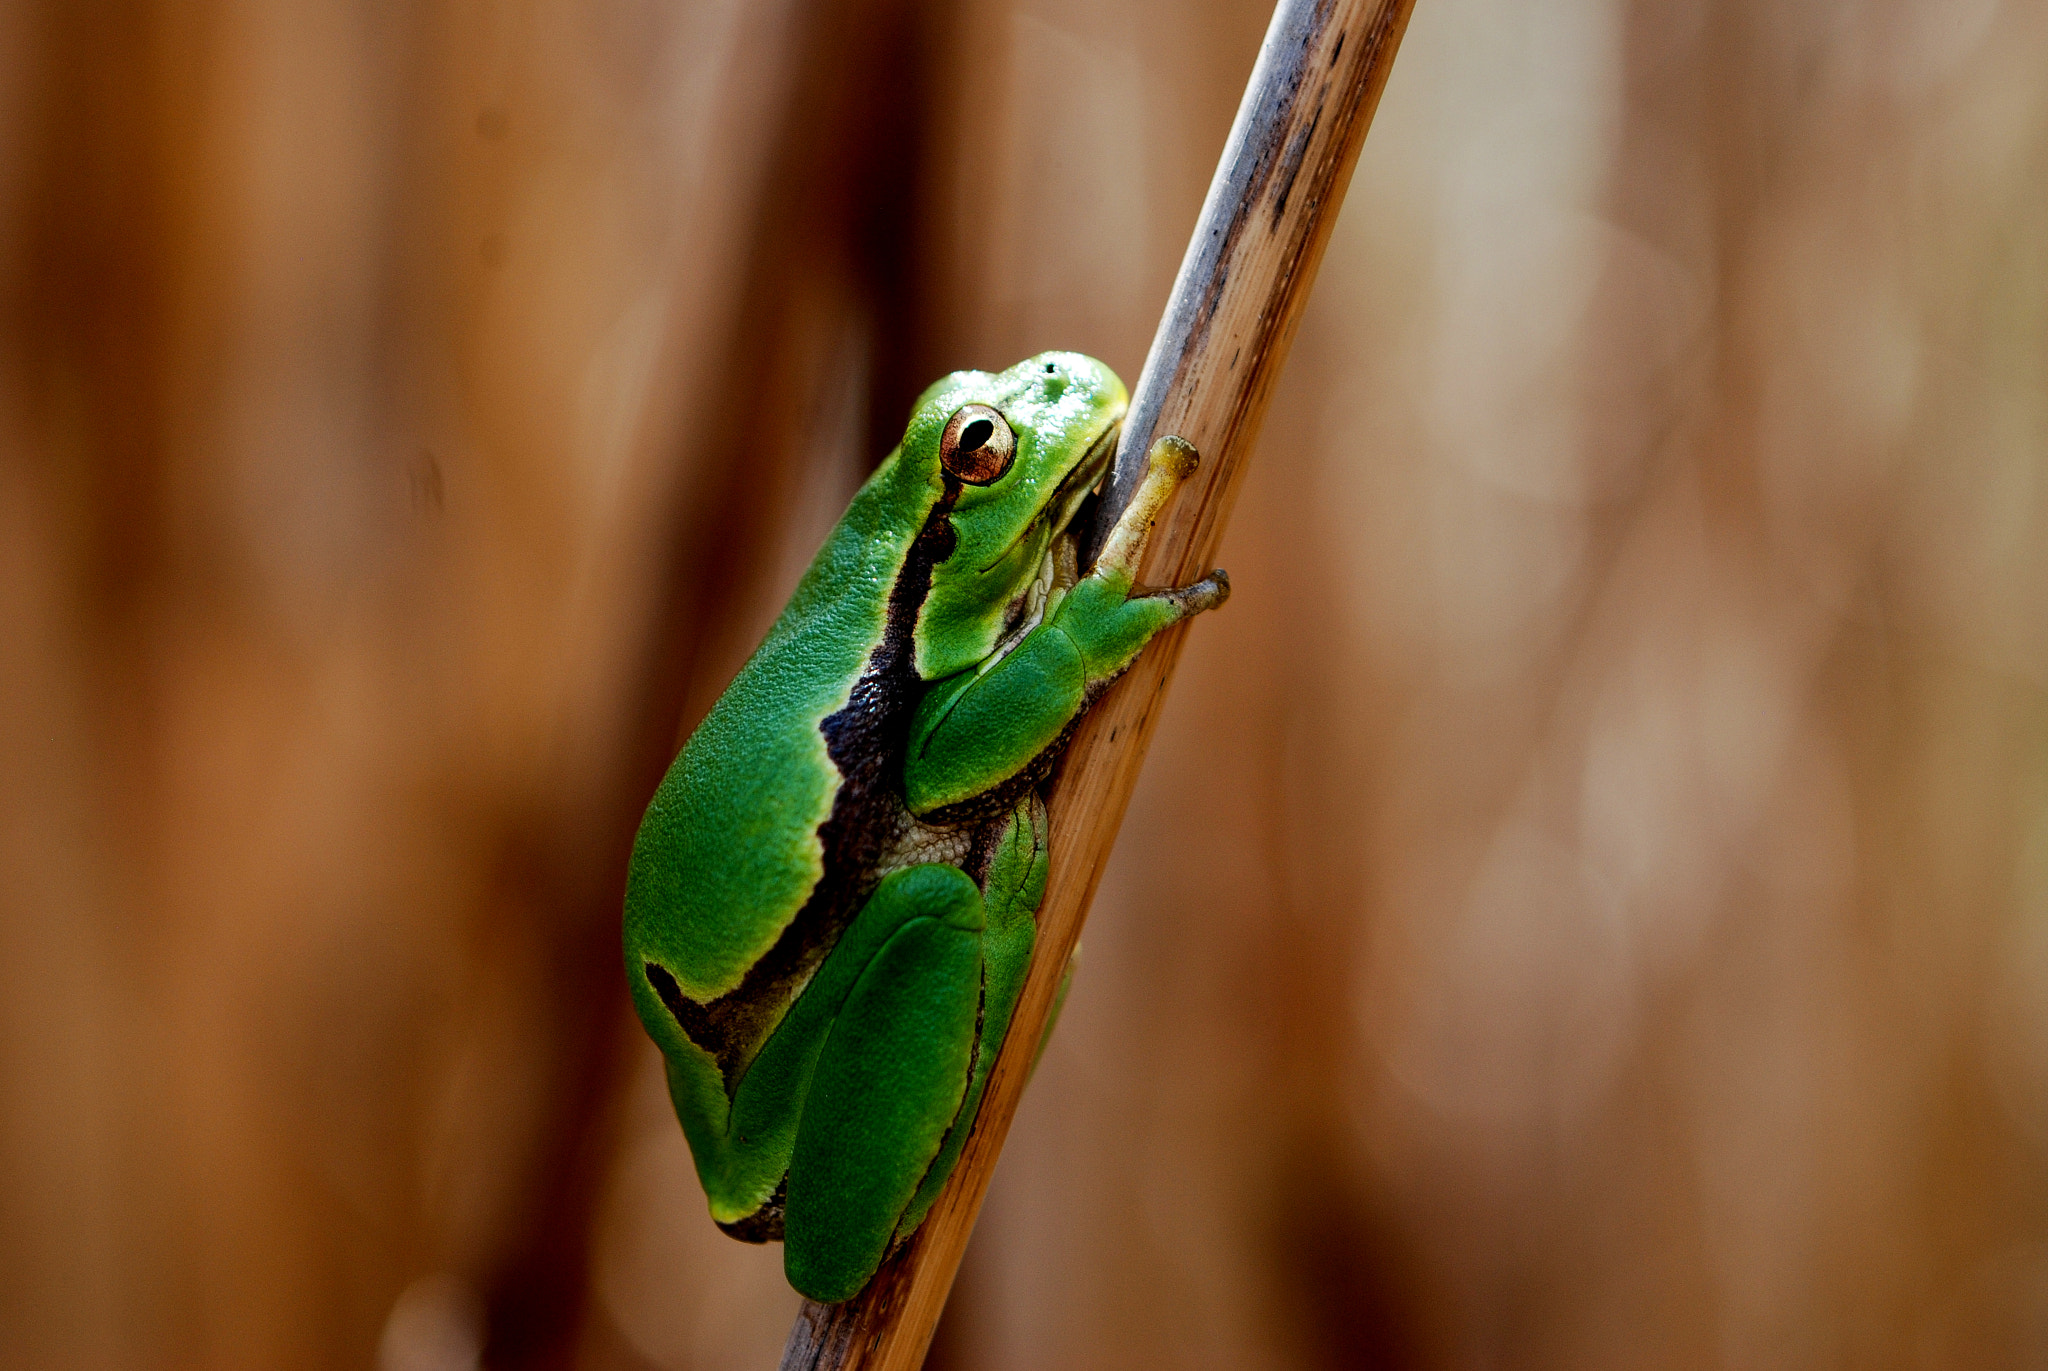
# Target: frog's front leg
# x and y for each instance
(981, 727)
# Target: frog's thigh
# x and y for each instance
(769, 1104)
(887, 1085)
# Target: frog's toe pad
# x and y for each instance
(1207, 593)
(1176, 456)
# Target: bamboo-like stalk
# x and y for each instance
(1211, 370)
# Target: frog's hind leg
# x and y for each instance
(1013, 890)
(888, 1082)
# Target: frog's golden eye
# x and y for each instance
(977, 446)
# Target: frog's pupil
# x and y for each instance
(975, 434)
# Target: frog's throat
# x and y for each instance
(1065, 501)
(1058, 572)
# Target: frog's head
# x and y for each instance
(1019, 450)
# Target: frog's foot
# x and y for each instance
(1012, 892)
(1170, 461)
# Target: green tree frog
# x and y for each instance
(833, 896)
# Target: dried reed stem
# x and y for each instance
(1212, 368)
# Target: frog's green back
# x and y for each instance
(746, 795)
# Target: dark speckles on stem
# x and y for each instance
(1337, 51)
(1297, 150)
(1264, 158)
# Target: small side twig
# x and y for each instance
(1211, 371)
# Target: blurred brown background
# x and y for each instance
(1588, 902)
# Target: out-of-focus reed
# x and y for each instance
(1588, 902)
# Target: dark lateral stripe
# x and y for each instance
(865, 739)
(688, 1014)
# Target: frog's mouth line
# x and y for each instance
(1073, 490)
(1084, 479)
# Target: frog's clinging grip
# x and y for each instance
(1016, 886)
(1170, 461)
(833, 898)
(887, 1086)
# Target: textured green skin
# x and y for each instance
(888, 1085)
(860, 1094)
